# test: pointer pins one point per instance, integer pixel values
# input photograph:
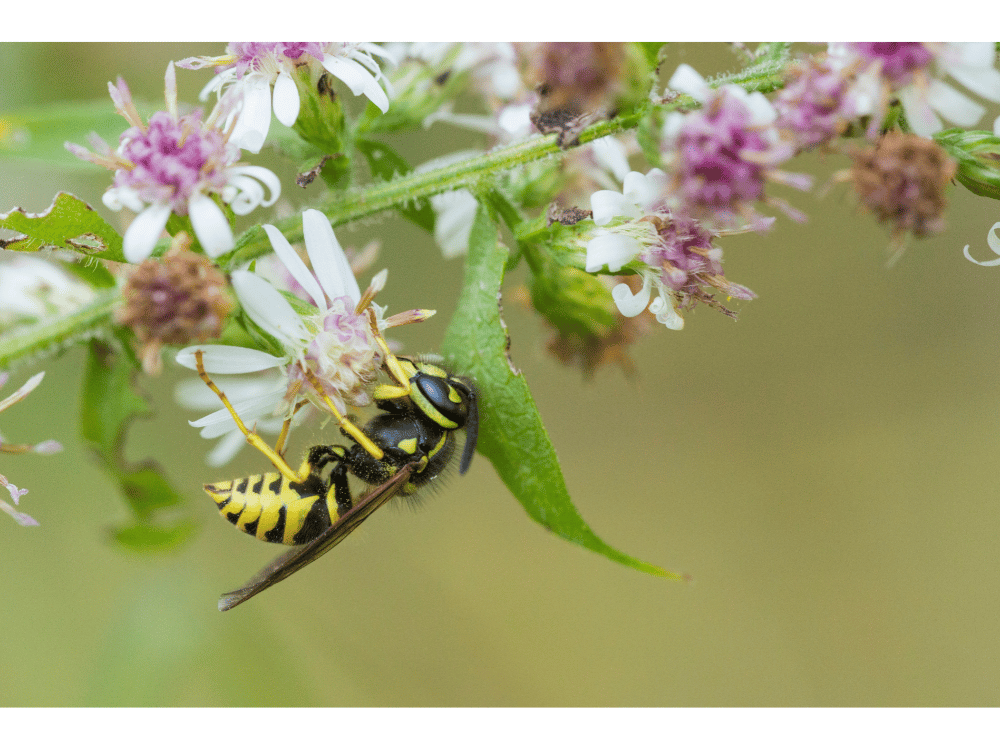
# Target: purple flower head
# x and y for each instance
(898, 61)
(173, 164)
(253, 56)
(912, 73)
(723, 154)
(816, 104)
(676, 256)
(172, 159)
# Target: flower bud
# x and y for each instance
(978, 155)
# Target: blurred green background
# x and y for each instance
(825, 469)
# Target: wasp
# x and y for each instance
(403, 448)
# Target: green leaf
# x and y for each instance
(386, 164)
(511, 434)
(40, 133)
(109, 404)
(142, 537)
(68, 224)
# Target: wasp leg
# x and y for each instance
(392, 366)
(350, 429)
(252, 437)
(279, 446)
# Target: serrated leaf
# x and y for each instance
(511, 434)
(68, 224)
(385, 164)
(109, 404)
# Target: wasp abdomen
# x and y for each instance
(268, 507)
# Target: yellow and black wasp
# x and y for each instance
(398, 451)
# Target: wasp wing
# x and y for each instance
(299, 557)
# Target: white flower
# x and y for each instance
(903, 69)
(172, 165)
(250, 69)
(641, 195)
(335, 345)
(37, 288)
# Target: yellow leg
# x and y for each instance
(345, 424)
(252, 437)
(391, 364)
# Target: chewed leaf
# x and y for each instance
(511, 433)
(68, 224)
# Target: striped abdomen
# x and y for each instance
(265, 506)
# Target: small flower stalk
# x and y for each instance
(48, 446)
(178, 165)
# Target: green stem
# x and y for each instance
(478, 174)
(58, 333)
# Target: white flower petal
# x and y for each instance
(630, 304)
(610, 153)
(226, 449)
(456, 211)
(982, 81)
(266, 307)
(688, 81)
(665, 313)
(296, 267)
(607, 204)
(357, 78)
(327, 257)
(993, 242)
(612, 249)
(21, 392)
(918, 112)
(261, 174)
(142, 234)
(211, 226)
(249, 409)
(244, 194)
(953, 104)
(286, 99)
(255, 117)
(644, 189)
(117, 198)
(762, 112)
(228, 360)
